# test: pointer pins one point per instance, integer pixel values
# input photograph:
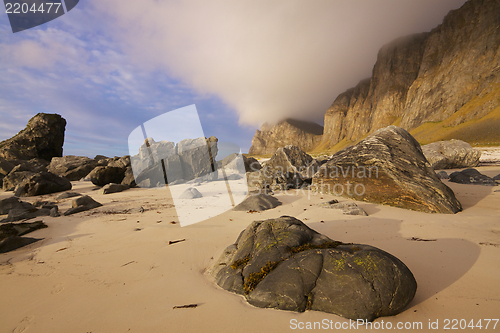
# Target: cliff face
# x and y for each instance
(449, 76)
(305, 135)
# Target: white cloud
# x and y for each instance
(267, 59)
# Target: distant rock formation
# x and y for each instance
(306, 135)
(442, 78)
(42, 138)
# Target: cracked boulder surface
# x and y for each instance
(283, 264)
(388, 168)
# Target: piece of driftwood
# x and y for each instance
(176, 241)
(185, 306)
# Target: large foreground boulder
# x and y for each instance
(42, 183)
(389, 168)
(43, 138)
(453, 154)
(283, 264)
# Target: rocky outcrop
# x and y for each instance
(13, 203)
(306, 135)
(388, 167)
(453, 154)
(283, 264)
(450, 75)
(42, 138)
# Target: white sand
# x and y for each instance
(94, 273)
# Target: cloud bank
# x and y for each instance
(266, 59)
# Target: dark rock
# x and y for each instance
(347, 208)
(497, 177)
(472, 177)
(5, 167)
(120, 162)
(129, 179)
(387, 167)
(19, 229)
(190, 193)
(72, 167)
(54, 212)
(281, 263)
(103, 175)
(307, 135)
(443, 175)
(453, 154)
(13, 203)
(114, 188)
(33, 165)
(25, 214)
(82, 204)
(66, 195)
(258, 203)
(42, 138)
(14, 242)
(13, 179)
(42, 183)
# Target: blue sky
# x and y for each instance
(109, 66)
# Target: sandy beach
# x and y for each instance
(99, 271)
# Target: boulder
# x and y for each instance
(42, 183)
(190, 193)
(67, 195)
(19, 229)
(198, 157)
(349, 208)
(42, 138)
(120, 162)
(13, 203)
(72, 167)
(472, 177)
(33, 165)
(389, 168)
(14, 242)
(103, 175)
(18, 214)
(13, 179)
(82, 204)
(453, 154)
(114, 188)
(287, 169)
(258, 203)
(129, 178)
(442, 175)
(283, 264)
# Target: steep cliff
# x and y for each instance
(306, 135)
(441, 84)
